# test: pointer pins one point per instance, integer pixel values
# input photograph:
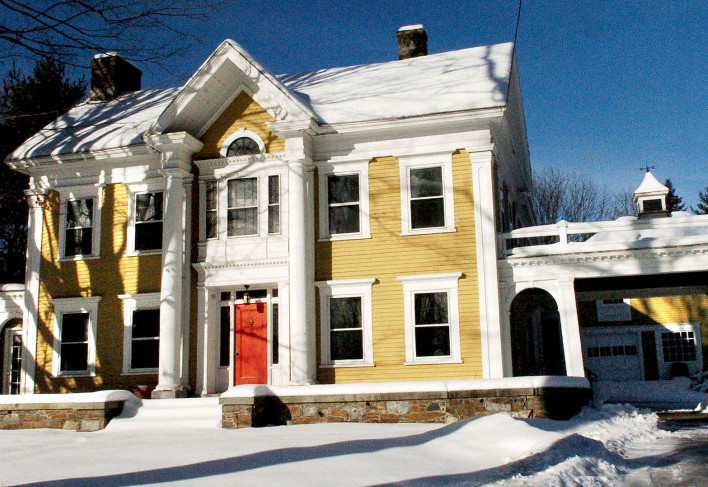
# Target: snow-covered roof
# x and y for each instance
(466, 79)
(91, 126)
(650, 185)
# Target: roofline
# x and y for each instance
(27, 164)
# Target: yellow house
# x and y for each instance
(329, 227)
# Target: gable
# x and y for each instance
(242, 114)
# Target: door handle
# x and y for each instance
(236, 351)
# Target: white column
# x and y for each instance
(487, 274)
(36, 199)
(172, 289)
(206, 342)
(301, 334)
(570, 329)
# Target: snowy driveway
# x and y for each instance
(612, 445)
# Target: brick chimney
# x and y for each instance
(111, 76)
(412, 41)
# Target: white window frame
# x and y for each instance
(432, 283)
(134, 302)
(278, 205)
(359, 169)
(350, 288)
(64, 306)
(94, 193)
(242, 132)
(259, 206)
(422, 162)
(204, 210)
(151, 186)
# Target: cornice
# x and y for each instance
(221, 162)
(212, 266)
(30, 164)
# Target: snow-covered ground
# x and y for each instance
(179, 442)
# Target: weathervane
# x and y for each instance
(647, 168)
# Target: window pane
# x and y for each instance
(346, 345)
(343, 219)
(344, 313)
(243, 222)
(211, 224)
(243, 192)
(432, 341)
(343, 189)
(74, 357)
(225, 336)
(79, 213)
(146, 323)
(74, 327)
(274, 219)
(148, 207)
(430, 308)
(243, 146)
(148, 236)
(274, 344)
(211, 195)
(426, 182)
(145, 354)
(428, 213)
(273, 190)
(78, 241)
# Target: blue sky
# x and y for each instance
(608, 86)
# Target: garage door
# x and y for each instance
(615, 356)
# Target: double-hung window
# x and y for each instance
(242, 213)
(141, 335)
(431, 318)
(79, 227)
(427, 204)
(74, 336)
(343, 203)
(345, 319)
(148, 221)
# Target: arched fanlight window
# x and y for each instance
(243, 146)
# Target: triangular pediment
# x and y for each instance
(228, 72)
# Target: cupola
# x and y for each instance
(650, 197)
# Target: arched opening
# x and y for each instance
(536, 340)
(11, 355)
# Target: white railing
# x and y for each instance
(565, 233)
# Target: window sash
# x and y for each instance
(74, 342)
(343, 200)
(346, 333)
(212, 219)
(145, 339)
(273, 204)
(242, 207)
(431, 324)
(427, 197)
(148, 221)
(79, 227)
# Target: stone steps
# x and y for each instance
(190, 413)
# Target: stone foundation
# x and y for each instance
(265, 408)
(72, 416)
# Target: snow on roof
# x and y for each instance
(91, 126)
(650, 185)
(453, 81)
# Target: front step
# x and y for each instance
(190, 413)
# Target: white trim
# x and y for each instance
(349, 288)
(133, 302)
(420, 162)
(242, 132)
(429, 283)
(156, 185)
(361, 169)
(64, 306)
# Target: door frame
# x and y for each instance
(8, 330)
(235, 296)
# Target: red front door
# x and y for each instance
(251, 344)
